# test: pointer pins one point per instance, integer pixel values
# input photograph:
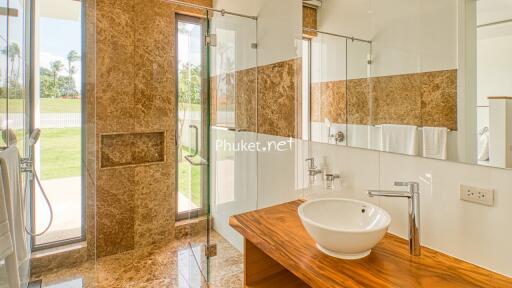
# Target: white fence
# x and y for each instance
(47, 120)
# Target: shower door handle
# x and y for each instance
(196, 140)
(190, 158)
(199, 162)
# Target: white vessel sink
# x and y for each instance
(344, 228)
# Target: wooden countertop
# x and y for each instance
(278, 232)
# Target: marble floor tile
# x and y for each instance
(177, 264)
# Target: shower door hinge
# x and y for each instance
(211, 250)
(211, 40)
(254, 45)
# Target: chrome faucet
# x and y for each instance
(329, 179)
(413, 195)
(312, 169)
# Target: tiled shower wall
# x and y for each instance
(135, 123)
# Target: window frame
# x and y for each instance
(201, 211)
(31, 110)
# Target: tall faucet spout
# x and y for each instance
(413, 197)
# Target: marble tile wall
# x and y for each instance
(277, 90)
(132, 149)
(328, 101)
(236, 93)
(263, 99)
(135, 93)
(422, 99)
(309, 20)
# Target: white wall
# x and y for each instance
(279, 26)
(419, 36)
(494, 67)
(251, 180)
(477, 234)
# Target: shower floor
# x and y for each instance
(164, 265)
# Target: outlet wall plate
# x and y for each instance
(477, 195)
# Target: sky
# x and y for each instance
(57, 38)
(189, 44)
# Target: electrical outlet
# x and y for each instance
(477, 195)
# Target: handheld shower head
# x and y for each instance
(34, 137)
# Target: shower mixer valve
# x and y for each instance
(26, 165)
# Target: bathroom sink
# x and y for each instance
(344, 228)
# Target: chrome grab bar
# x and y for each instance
(190, 158)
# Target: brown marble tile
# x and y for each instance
(170, 264)
(328, 101)
(396, 99)
(132, 149)
(423, 99)
(115, 71)
(277, 98)
(190, 228)
(155, 75)
(115, 211)
(309, 20)
(334, 101)
(57, 258)
(439, 99)
(154, 204)
(359, 101)
(246, 99)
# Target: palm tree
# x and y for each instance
(13, 51)
(56, 66)
(72, 57)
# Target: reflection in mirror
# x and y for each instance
(400, 80)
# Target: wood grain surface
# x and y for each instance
(278, 232)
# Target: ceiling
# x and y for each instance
(60, 9)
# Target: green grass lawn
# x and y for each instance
(47, 105)
(60, 153)
(189, 180)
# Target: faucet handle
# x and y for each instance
(311, 163)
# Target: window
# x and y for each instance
(57, 111)
(191, 117)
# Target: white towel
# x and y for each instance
(17, 269)
(401, 139)
(435, 142)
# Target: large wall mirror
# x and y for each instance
(432, 78)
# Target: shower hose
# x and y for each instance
(34, 173)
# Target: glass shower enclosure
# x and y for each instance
(218, 109)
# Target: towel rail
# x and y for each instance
(419, 127)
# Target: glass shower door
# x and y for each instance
(192, 147)
(233, 94)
